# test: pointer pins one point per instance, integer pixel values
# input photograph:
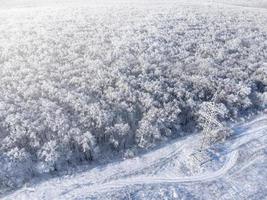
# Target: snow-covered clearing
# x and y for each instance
(11, 4)
(237, 170)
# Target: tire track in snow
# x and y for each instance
(121, 183)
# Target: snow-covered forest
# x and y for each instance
(78, 82)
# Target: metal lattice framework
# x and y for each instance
(210, 124)
(211, 121)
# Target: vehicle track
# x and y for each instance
(121, 183)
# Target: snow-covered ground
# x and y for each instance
(236, 169)
(52, 3)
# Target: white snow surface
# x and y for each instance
(235, 169)
(103, 3)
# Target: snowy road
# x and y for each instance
(118, 176)
(157, 180)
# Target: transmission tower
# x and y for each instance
(211, 122)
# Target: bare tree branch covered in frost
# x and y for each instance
(76, 82)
